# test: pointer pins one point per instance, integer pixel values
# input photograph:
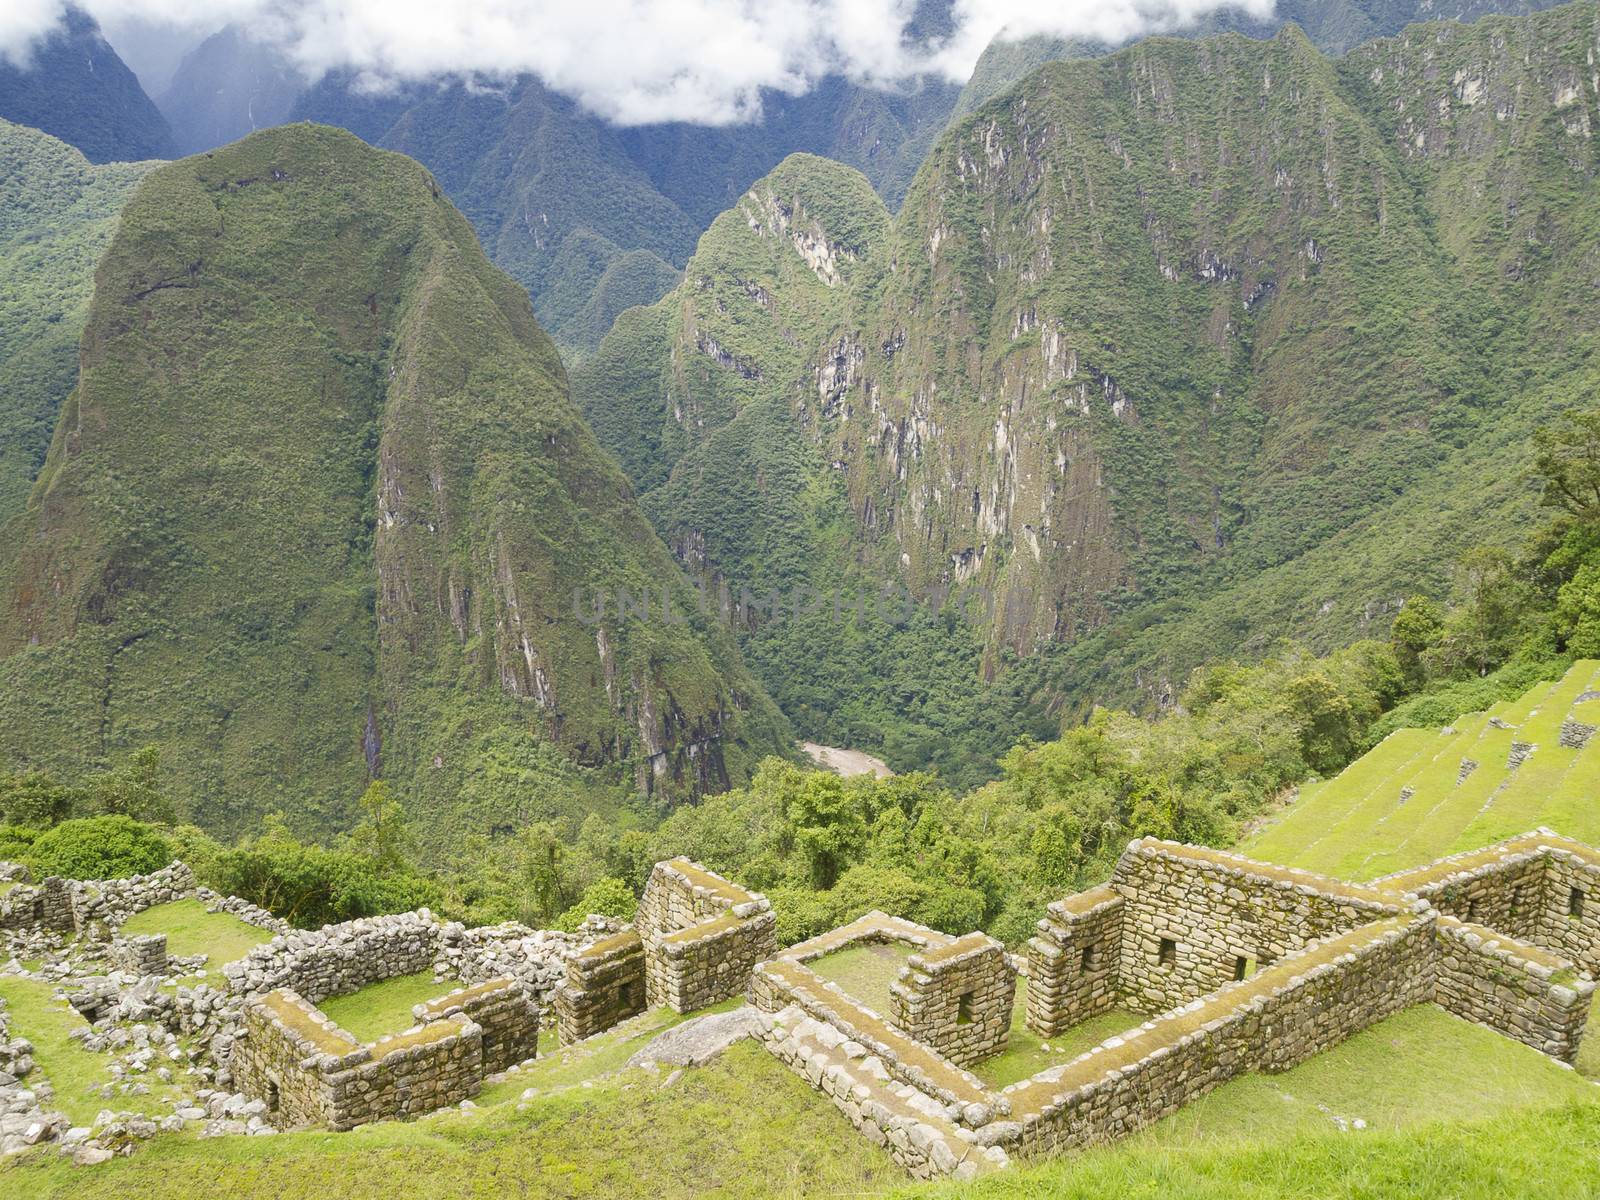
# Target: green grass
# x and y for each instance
(384, 1007)
(866, 971)
(72, 1070)
(1025, 1052)
(740, 1127)
(190, 929)
(1548, 1154)
(745, 1126)
(561, 1067)
(1356, 826)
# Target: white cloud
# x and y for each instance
(632, 61)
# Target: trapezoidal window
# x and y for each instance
(274, 1096)
(1091, 957)
(1575, 902)
(1167, 956)
(1518, 894)
(964, 1009)
(625, 996)
(1243, 967)
(1472, 910)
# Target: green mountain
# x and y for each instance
(320, 509)
(57, 215)
(73, 86)
(1334, 26)
(1170, 352)
(226, 87)
(551, 191)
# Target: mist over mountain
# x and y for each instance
(71, 85)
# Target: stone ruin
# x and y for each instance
(252, 1028)
(692, 944)
(1241, 966)
(309, 1071)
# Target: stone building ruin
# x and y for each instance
(693, 944)
(1235, 966)
(1241, 967)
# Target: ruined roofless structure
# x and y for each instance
(1242, 966)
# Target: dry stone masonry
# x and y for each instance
(1238, 966)
(693, 944)
(1242, 966)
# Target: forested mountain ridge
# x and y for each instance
(1173, 351)
(318, 509)
(72, 85)
(57, 214)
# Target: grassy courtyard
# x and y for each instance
(385, 1007)
(865, 970)
(190, 929)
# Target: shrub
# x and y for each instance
(105, 847)
(609, 897)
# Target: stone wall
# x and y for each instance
(1195, 919)
(1284, 1015)
(1517, 989)
(338, 959)
(1072, 961)
(1570, 915)
(44, 905)
(104, 904)
(1539, 887)
(957, 998)
(140, 954)
(503, 1009)
(311, 1072)
(605, 984)
(702, 934)
(250, 914)
(536, 957)
(1506, 893)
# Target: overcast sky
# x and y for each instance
(631, 61)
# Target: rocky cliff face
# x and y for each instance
(319, 489)
(1171, 351)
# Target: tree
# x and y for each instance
(382, 833)
(110, 846)
(132, 789)
(1417, 628)
(1578, 611)
(1567, 459)
(36, 800)
(830, 829)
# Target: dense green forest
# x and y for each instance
(319, 517)
(827, 849)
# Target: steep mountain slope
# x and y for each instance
(319, 508)
(1334, 26)
(227, 86)
(57, 214)
(74, 87)
(551, 191)
(1170, 352)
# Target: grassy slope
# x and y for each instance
(745, 1126)
(74, 1072)
(321, 465)
(1357, 825)
(57, 215)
